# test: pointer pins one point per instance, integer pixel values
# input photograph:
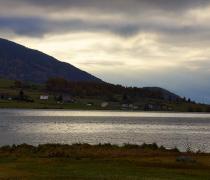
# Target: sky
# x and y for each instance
(163, 43)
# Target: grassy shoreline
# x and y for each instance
(103, 161)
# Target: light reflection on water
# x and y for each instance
(54, 126)
(68, 113)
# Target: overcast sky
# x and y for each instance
(162, 43)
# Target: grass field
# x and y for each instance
(100, 162)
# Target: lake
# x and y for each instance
(183, 130)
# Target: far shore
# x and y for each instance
(19, 95)
(102, 110)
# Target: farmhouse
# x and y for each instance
(44, 97)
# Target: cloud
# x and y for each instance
(102, 63)
(24, 26)
(122, 5)
(39, 27)
(121, 17)
(196, 65)
(170, 33)
(146, 42)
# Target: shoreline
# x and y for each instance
(126, 146)
(103, 110)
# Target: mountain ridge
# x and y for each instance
(22, 63)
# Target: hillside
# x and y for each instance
(21, 63)
(92, 96)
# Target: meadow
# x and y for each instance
(84, 161)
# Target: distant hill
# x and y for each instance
(21, 63)
(167, 95)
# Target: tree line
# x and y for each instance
(106, 90)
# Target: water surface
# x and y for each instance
(183, 130)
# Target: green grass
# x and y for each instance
(59, 168)
(82, 161)
(4, 83)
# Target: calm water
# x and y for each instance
(57, 126)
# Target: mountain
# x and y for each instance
(21, 63)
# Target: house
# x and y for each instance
(4, 96)
(152, 107)
(64, 98)
(125, 106)
(67, 98)
(130, 106)
(104, 104)
(157, 107)
(89, 104)
(135, 107)
(44, 97)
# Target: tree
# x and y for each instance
(60, 98)
(18, 84)
(57, 84)
(21, 95)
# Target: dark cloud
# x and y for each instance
(136, 16)
(24, 26)
(41, 26)
(120, 4)
(36, 26)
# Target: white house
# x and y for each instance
(44, 97)
(104, 104)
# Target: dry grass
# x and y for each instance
(83, 161)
